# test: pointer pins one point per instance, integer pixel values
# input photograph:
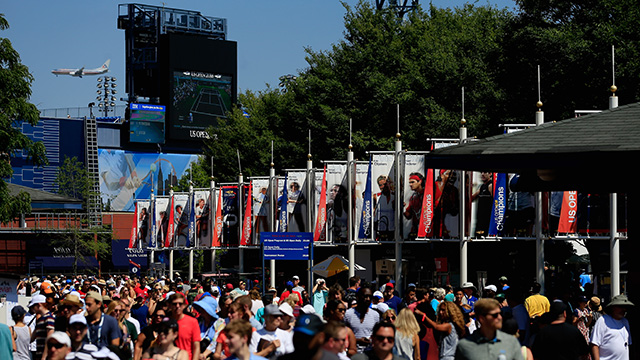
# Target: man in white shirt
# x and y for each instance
(271, 340)
(611, 334)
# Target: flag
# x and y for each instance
(134, 229)
(170, 223)
(425, 227)
(217, 222)
(496, 225)
(282, 202)
(319, 233)
(152, 234)
(568, 212)
(367, 208)
(246, 224)
(192, 220)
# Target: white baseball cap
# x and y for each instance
(77, 318)
(60, 337)
(37, 299)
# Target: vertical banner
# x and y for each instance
(161, 221)
(446, 204)
(192, 220)
(231, 213)
(481, 203)
(217, 222)
(202, 210)
(297, 201)
(364, 232)
(320, 230)
(337, 202)
(384, 196)
(133, 237)
(261, 191)
(170, 223)
(425, 228)
(283, 204)
(246, 224)
(568, 213)
(361, 172)
(413, 194)
(496, 225)
(180, 221)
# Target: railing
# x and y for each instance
(80, 112)
(47, 221)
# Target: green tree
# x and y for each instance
(571, 41)
(15, 108)
(73, 180)
(420, 62)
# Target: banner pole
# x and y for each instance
(309, 213)
(171, 248)
(352, 247)
(463, 206)
(240, 205)
(212, 216)
(191, 233)
(399, 198)
(272, 215)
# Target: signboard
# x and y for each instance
(286, 245)
(146, 124)
(8, 289)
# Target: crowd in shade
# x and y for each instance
(125, 318)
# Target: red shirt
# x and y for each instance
(188, 333)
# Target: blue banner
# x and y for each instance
(496, 226)
(367, 207)
(286, 246)
(282, 203)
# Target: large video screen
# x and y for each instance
(198, 100)
(146, 124)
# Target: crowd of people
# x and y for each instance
(123, 318)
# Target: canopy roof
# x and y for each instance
(587, 153)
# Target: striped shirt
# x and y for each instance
(364, 328)
(45, 324)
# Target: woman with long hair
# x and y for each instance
(407, 341)
(334, 311)
(164, 347)
(390, 316)
(451, 326)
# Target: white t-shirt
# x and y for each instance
(612, 337)
(285, 337)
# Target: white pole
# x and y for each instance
(191, 235)
(350, 239)
(463, 207)
(240, 221)
(399, 199)
(538, 202)
(171, 249)
(212, 216)
(614, 252)
(309, 213)
(272, 215)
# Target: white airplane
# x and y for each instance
(80, 72)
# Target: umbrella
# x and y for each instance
(335, 264)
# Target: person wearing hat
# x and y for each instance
(271, 340)
(296, 284)
(308, 338)
(469, 297)
(21, 334)
(70, 305)
(389, 297)
(611, 334)
(207, 307)
(58, 346)
(102, 330)
(490, 291)
(536, 304)
(45, 323)
(559, 339)
(582, 317)
(504, 283)
(77, 330)
(320, 294)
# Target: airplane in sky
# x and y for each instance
(80, 72)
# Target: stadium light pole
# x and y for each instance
(106, 94)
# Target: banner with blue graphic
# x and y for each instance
(282, 208)
(496, 226)
(367, 209)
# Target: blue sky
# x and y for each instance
(271, 37)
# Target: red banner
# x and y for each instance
(246, 224)
(170, 225)
(569, 213)
(217, 222)
(425, 228)
(134, 228)
(319, 234)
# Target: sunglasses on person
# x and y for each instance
(383, 338)
(56, 345)
(177, 303)
(391, 317)
(341, 309)
(494, 315)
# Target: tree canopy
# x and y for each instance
(420, 62)
(14, 108)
